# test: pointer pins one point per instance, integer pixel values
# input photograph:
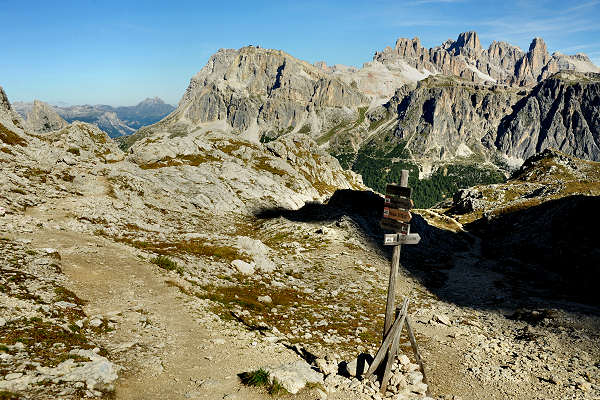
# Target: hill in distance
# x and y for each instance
(116, 121)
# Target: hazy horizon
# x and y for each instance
(119, 54)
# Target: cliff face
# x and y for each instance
(561, 112)
(445, 118)
(260, 91)
(42, 118)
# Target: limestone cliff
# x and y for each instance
(260, 92)
(561, 112)
(500, 63)
(42, 118)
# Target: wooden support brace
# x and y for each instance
(395, 329)
(413, 343)
(393, 350)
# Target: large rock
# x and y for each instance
(294, 376)
(42, 118)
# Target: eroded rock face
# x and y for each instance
(224, 173)
(262, 88)
(562, 112)
(445, 118)
(42, 118)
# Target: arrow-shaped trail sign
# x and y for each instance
(398, 238)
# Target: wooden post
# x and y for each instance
(391, 295)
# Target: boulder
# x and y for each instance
(294, 376)
(243, 267)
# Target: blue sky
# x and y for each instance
(120, 52)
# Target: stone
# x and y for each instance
(12, 376)
(442, 319)
(2, 321)
(265, 299)
(403, 359)
(294, 376)
(326, 367)
(96, 322)
(98, 374)
(243, 267)
(359, 365)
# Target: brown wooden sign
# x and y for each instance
(397, 190)
(394, 226)
(398, 202)
(398, 215)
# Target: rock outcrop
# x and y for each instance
(445, 118)
(561, 112)
(539, 220)
(42, 118)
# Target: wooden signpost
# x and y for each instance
(396, 218)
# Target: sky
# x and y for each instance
(120, 52)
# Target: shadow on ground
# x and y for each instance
(547, 254)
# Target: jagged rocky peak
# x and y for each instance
(43, 118)
(445, 117)
(500, 63)
(4, 103)
(9, 118)
(467, 44)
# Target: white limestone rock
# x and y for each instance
(294, 376)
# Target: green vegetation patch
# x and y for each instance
(379, 167)
(165, 262)
(262, 164)
(6, 395)
(195, 247)
(40, 339)
(193, 160)
(260, 378)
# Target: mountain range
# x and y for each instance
(116, 121)
(456, 106)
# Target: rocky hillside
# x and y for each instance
(540, 220)
(116, 121)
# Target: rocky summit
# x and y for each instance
(233, 248)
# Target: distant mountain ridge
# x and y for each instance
(116, 121)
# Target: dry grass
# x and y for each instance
(193, 160)
(194, 247)
(9, 137)
(262, 164)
